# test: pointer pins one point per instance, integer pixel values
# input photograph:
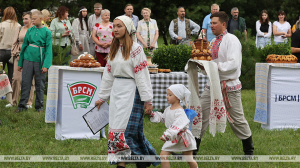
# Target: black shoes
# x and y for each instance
(248, 146)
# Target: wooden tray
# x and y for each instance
(153, 70)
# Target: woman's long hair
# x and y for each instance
(9, 14)
(261, 19)
(85, 19)
(128, 42)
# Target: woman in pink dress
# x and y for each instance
(102, 36)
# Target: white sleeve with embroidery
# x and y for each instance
(141, 74)
(106, 83)
(234, 57)
(180, 123)
(157, 117)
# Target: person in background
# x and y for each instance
(46, 16)
(129, 12)
(294, 26)
(295, 46)
(93, 19)
(236, 22)
(5, 88)
(281, 29)
(181, 29)
(35, 60)
(15, 53)
(61, 28)
(102, 36)
(263, 30)
(207, 33)
(81, 31)
(8, 27)
(147, 31)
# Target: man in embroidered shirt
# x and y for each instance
(227, 53)
(35, 60)
(181, 29)
(236, 22)
(93, 19)
(128, 12)
(208, 35)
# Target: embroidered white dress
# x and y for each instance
(119, 82)
(179, 137)
(81, 36)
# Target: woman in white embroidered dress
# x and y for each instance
(81, 32)
(126, 82)
(177, 138)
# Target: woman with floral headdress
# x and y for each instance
(81, 31)
(126, 82)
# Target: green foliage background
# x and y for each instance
(165, 10)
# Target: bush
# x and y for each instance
(278, 49)
(172, 57)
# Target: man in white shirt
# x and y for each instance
(93, 19)
(181, 29)
(227, 53)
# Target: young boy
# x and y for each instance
(35, 59)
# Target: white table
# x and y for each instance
(277, 95)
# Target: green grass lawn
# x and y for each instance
(26, 133)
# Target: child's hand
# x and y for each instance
(147, 112)
(163, 139)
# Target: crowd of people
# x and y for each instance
(119, 47)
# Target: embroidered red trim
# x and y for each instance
(108, 67)
(136, 52)
(140, 67)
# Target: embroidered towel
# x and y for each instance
(217, 118)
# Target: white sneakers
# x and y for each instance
(8, 105)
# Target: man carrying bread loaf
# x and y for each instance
(227, 53)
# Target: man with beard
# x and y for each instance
(93, 19)
(181, 29)
(236, 22)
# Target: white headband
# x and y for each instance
(97, 8)
(82, 9)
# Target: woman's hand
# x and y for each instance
(148, 108)
(98, 103)
(163, 139)
(152, 46)
(20, 69)
(145, 45)
(67, 33)
(80, 47)
(105, 45)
